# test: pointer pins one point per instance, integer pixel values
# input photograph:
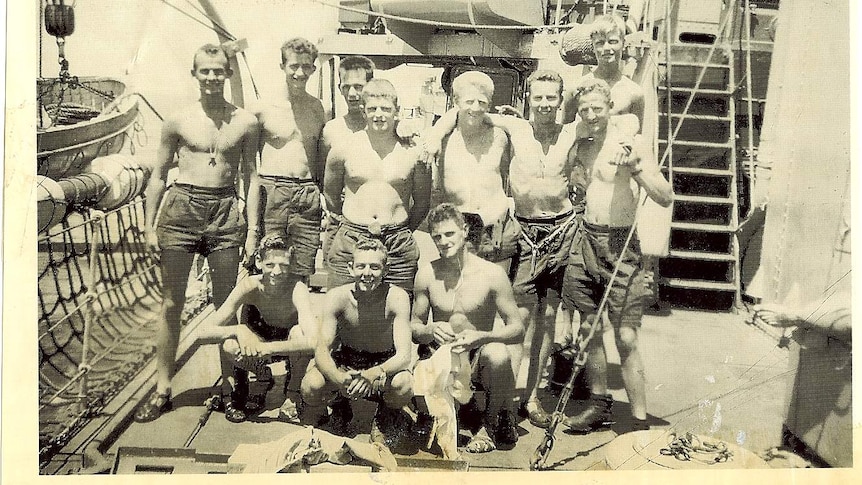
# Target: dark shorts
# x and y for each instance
(493, 242)
(349, 358)
(595, 250)
(200, 219)
(543, 253)
(292, 208)
(403, 253)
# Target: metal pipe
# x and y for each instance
(749, 95)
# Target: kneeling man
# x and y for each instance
(465, 292)
(277, 324)
(363, 348)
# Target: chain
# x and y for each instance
(686, 447)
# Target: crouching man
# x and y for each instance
(363, 348)
(277, 324)
(465, 292)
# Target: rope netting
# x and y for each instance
(98, 298)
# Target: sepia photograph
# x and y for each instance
(595, 236)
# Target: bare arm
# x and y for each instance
(168, 145)
(215, 326)
(519, 130)
(399, 308)
(333, 182)
(570, 108)
(510, 333)
(326, 340)
(423, 332)
(324, 145)
(646, 173)
(637, 108)
(250, 150)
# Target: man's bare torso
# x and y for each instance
(368, 336)
(289, 137)
(472, 176)
(209, 151)
(275, 306)
(538, 175)
(466, 292)
(611, 194)
(377, 189)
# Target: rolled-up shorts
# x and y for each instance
(543, 253)
(493, 242)
(403, 253)
(595, 250)
(292, 208)
(200, 219)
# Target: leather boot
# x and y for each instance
(597, 413)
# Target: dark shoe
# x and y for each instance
(536, 414)
(234, 412)
(382, 426)
(256, 402)
(504, 429)
(596, 415)
(154, 406)
(342, 415)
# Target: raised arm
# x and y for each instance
(333, 182)
(645, 171)
(168, 145)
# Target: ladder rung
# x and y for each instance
(696, 117)
(694, 226)
(725, 92)
(716, 172)
(700, 284)
(705, 144)
(696, 64)
(702, 200)
(675, 253)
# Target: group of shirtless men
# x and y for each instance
(502, 268)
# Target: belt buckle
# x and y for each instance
(375, 228)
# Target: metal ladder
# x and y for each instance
(702, 268)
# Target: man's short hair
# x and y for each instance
(271, 242)
(379, 88)
(593, 85)
(298, 45)
(212, 51)
(545, 75)
(352, 63)
(445, 212)
(371, 245)
(608, 24)
(477, 79)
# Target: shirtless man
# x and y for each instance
(276, 324)
(363, 348)
(611, 203)
(285, 197)
(200, 213)
(387, 190)
(464, 293)
(539, 183)
(473, 166)
(608, 37)
(354, 72)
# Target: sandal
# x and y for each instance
(233, 413)
(536, 414)
(289, 411)
(153, 407)
(480, 443)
